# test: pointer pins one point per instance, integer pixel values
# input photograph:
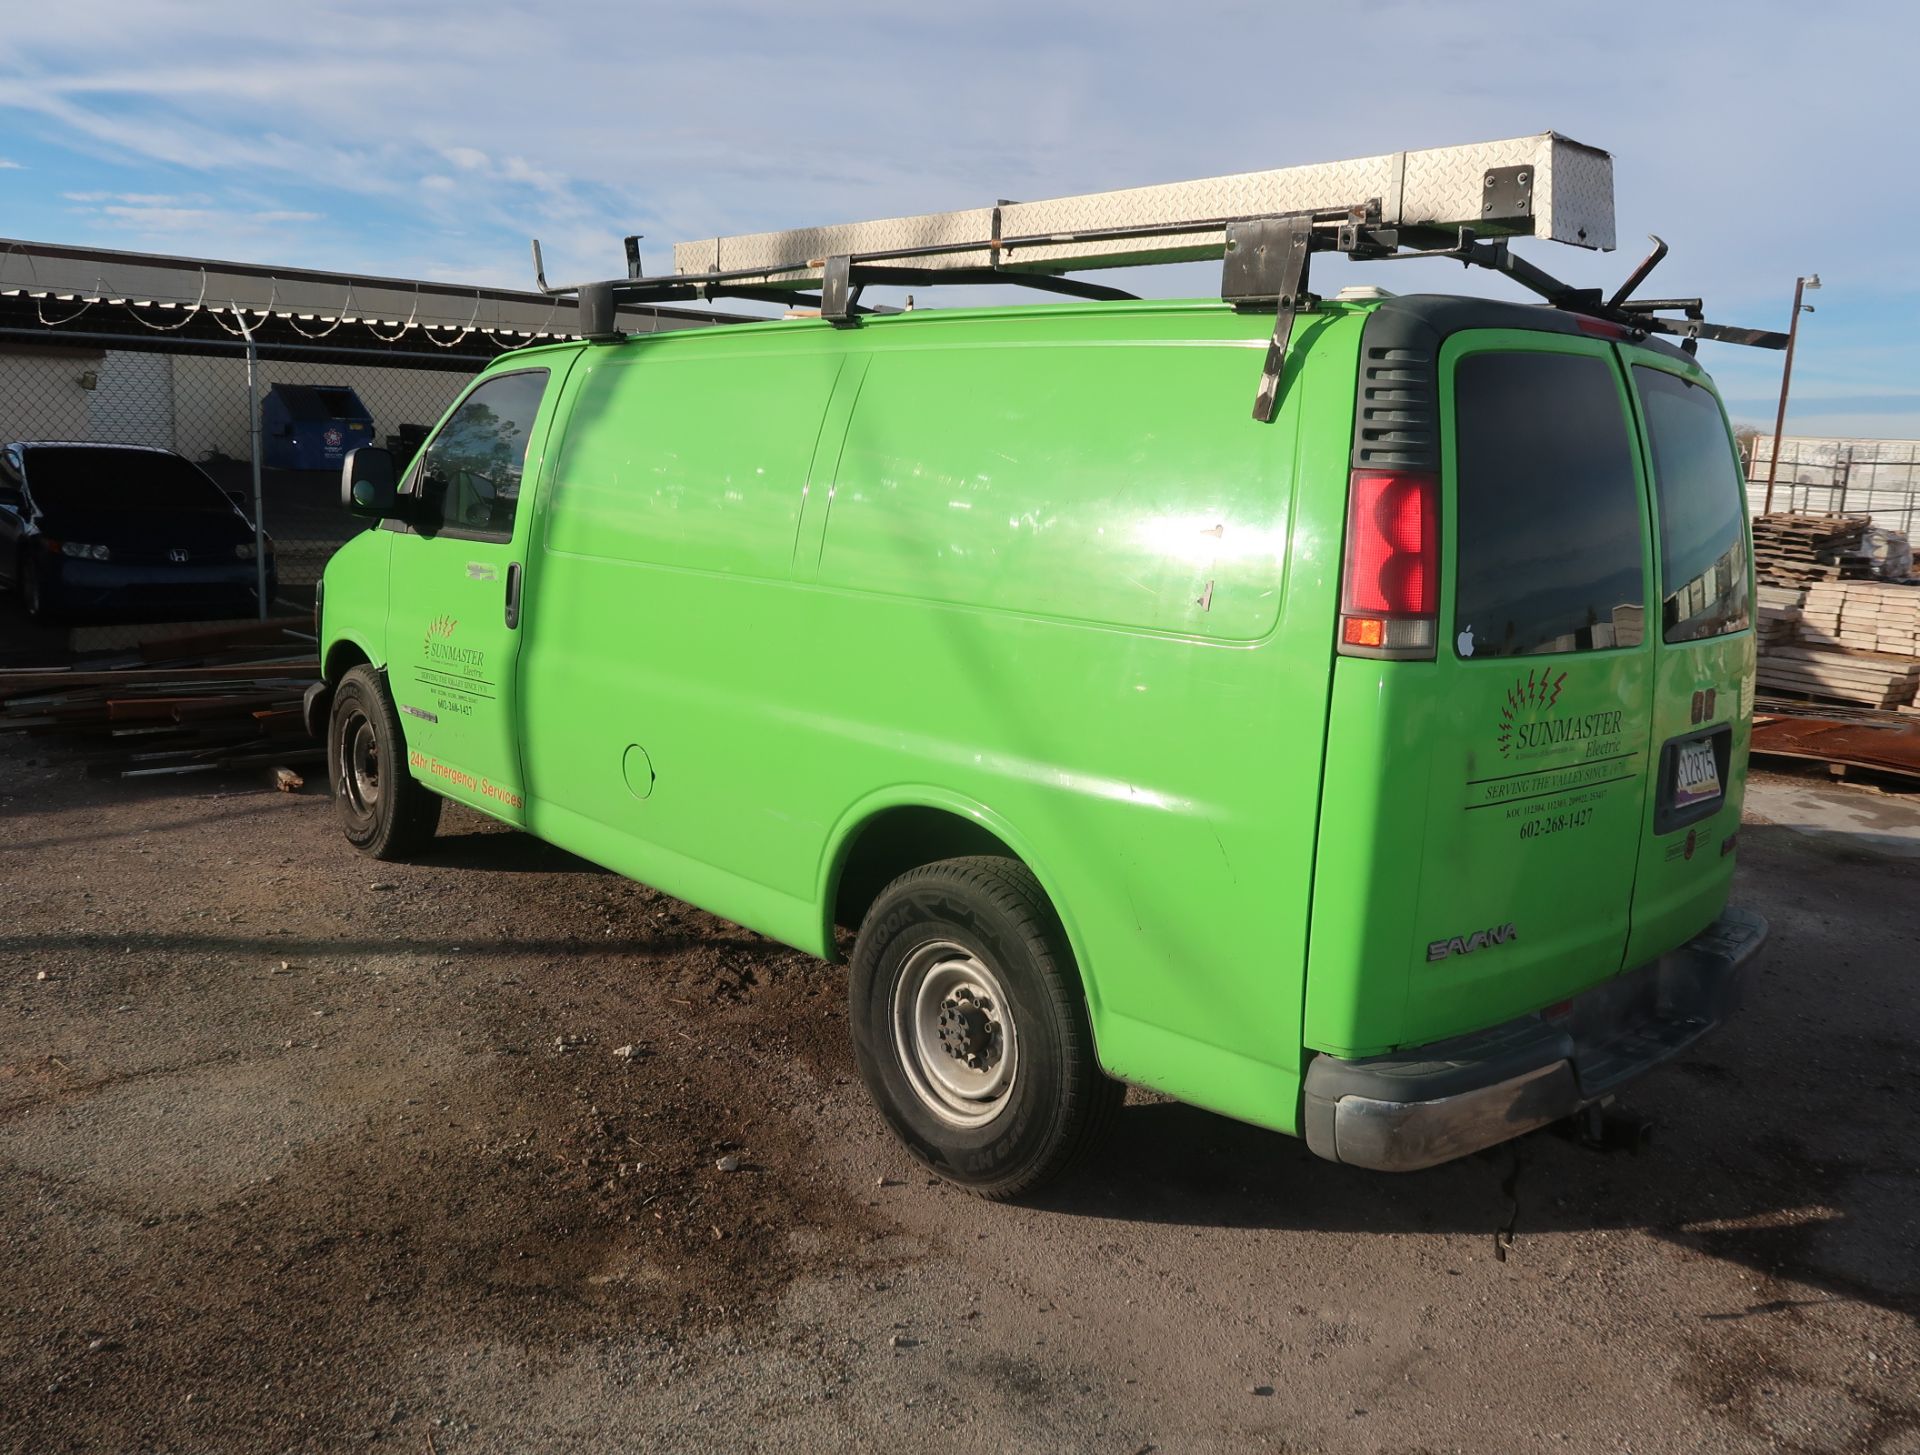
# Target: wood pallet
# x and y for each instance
(223, 699)
(1874, 679)
(1791, 549)
(1871, 616)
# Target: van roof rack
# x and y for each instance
(1461, 202)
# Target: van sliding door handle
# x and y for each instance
(513, 595)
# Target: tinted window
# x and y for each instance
(1548, 558)
(1696, 479)
(470, 473)
(97, 478)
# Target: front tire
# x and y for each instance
(970, 1029)
(383, 811)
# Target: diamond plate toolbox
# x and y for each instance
(1571, 188)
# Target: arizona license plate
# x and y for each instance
(1696, 779)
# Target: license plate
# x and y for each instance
(1696, 779)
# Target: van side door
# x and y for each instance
(453, 613)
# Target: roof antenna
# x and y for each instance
(1639, 274)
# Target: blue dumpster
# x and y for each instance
(312, 426)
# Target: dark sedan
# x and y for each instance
(123, 532)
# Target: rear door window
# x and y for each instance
(1549, 555)
(1696, 480)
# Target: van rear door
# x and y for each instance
(1543, 684)
(1703, 692)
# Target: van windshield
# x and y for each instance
(1548, 506)
(1703, 558)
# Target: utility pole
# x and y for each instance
(1800, 285)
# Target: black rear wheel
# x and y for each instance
(383, 810)
(970, 1029)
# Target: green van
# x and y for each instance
(1372, 774)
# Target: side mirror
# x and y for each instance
(367, 483)
(239, 499)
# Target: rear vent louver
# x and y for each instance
(1397, 422)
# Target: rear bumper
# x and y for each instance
(1433, 1103)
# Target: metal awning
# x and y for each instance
(195, 305)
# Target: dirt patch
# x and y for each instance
(279, 1138)
(300, 1152)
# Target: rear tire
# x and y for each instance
(970, 1029)
(383, 811)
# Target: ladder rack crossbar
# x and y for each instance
(1463, 203)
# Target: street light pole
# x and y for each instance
(1800, 285)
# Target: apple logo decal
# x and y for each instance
(1463, 644)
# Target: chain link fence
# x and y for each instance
(1827, 475)
(311, 411)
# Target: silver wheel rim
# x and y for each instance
(359, 764)
(954, 1035)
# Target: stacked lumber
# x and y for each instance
(1872, 616)
(228, 698)
(1874, 679)
(1791, 550)
(1778, 614)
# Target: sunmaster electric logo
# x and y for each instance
(438, 645)
(1529, 726)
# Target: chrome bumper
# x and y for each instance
(1433, 1103)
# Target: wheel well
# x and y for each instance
(896, 840)
(342, 658)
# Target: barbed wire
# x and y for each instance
(186, 319)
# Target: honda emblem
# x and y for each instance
(176, 554)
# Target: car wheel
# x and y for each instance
(383, 810)
(970, 1029)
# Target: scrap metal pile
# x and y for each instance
(226, 698)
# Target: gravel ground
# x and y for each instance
(300, 1151)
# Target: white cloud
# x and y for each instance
(8, 165)
(459, 127)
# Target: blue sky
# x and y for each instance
(1762, 140)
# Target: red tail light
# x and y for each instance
(1390, 587)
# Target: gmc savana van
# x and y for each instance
(1370, 771)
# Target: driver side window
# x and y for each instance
(469, 476)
